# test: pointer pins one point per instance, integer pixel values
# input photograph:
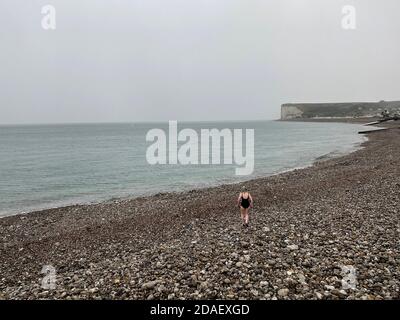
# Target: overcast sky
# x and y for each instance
(158, 60)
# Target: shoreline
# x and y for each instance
(306, 224)
(112, 199)
(117, 199)
(338, 120)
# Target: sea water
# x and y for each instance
(45, 166)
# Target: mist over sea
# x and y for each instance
(45, 166)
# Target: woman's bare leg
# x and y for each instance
(246, 216)
(242, 214)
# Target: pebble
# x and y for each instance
(149, 285)
(283, 292)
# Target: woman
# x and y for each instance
(245, 201)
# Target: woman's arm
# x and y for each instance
(238, 200)
(251, 200)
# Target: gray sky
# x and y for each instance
(151, 60)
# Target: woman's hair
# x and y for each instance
(243, 189)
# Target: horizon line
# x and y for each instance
(127, 122)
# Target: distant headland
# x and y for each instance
(337, 110)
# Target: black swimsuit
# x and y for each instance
(245, 203)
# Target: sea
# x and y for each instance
(48, 166)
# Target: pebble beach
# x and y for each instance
(306, 226)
